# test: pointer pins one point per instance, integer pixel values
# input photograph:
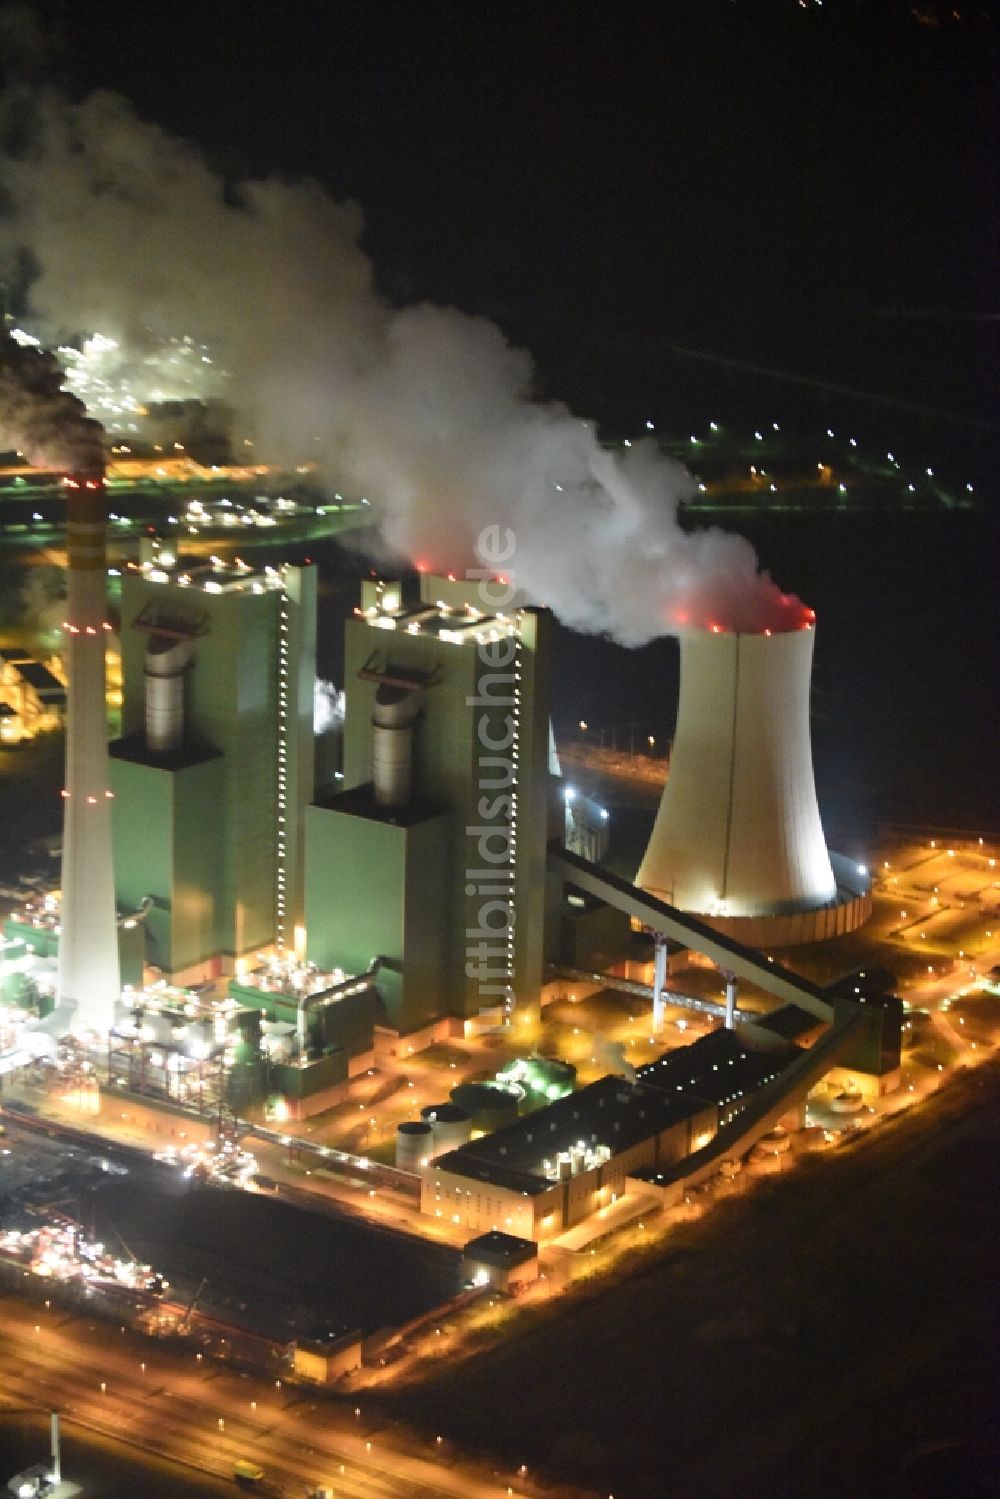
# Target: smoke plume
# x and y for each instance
(610, 1055)
(40, 419)
(426, 411)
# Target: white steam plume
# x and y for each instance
(427, 411)
(329, 706)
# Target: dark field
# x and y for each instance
(827, 1334)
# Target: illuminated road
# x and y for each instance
(172, 1403)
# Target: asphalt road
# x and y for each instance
(174, 1404)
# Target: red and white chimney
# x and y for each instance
(88, 943)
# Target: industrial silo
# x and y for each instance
(414, 1144)
(451, 1124)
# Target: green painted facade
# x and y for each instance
(45, 942)
(476, 696)
(248, 706)
(377, 889)
(172, 853)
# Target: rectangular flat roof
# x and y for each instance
(501, 1249)
(611, 1112)
(720, 1067)
(39, 677)
(360, 802)
(134, 748)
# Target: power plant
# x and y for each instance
(423, 888)
(438, 887)
(737, 837)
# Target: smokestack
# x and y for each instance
(166, 661)
(392, 744)
(88, 943)
(56, 1452)
(738, 832)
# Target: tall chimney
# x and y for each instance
(166, 662)
(738, 832)
(56, 1448)
(392, 744)
(88, 943)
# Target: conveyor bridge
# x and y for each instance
(668, 921)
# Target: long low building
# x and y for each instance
(546, 1172)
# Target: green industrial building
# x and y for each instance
(432, 857)
(214, 769)
(425, 870)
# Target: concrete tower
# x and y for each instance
(88, 945)
(432, 857)
(214, 769)
(738, 837)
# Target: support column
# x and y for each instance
(730, 1001)
(660, 955)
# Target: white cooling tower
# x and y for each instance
(738, 835)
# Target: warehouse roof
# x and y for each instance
(611, 1112)
(496, 1248)
(720, 1067)
(38, 676)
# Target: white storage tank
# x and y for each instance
(414, 1144)
(452, 1125)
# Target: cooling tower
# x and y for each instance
(738, 837)
(88, 941)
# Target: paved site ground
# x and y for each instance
(268, 1264)
(102, 1468)
(826, 1333)
(276, 1265)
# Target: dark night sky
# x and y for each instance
(808, 186)
(759, 178)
